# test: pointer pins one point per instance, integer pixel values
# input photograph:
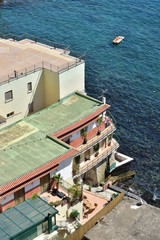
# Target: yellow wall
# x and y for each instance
(38, 95)
(51, 87)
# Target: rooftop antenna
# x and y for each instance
(102, 96)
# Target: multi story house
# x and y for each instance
(34, 75)
(72, 136)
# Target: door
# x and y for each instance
(104, 144)
(45, 182)
(87, 155)
(19, 196)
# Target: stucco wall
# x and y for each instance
(7, 199)
(72, 80)
(21, 97)
(51, 87)
(32, 185)
(65, 169)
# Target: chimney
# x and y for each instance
(104, 100)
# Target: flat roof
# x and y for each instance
(27, 154)
(64, 113)
(24, 54)
(24, 146)
(23, 216)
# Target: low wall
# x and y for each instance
(79, 233)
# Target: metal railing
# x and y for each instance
(98, 159)
(106, 132)
(36, 39)
(111, 116)
(65, 185)
(61, 224)
(77, 57)
(37, 67)
(48, 43)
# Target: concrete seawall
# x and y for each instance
(128, 221)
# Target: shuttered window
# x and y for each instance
(45, 182)
(19, 196)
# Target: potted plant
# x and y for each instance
(99, 121)
(74, 214)
(75, 192)
(110, 139)
(96, 149)
(57, 179)
(84, 135)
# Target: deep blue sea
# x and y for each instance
(130, 71)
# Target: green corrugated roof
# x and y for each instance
(64, 113)
(24, 146)
(27, 154)
(18, 219)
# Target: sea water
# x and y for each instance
(130, 71)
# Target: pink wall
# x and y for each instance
(7, 205)
(30, 193)
(90, 134)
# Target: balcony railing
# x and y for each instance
(65, 185)
(78, 58)
(106, 132)
(92, 163)
(37, 67)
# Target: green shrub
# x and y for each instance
(74, 214)
(100, 120)
(114, 195)
(9, 207)
(77, 159)
(75, 191)
(56, 203)
(96, 147)
(83, 132)
(35, 195)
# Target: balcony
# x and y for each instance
(106, 132)
(86, 166)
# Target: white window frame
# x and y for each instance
(29, 87)
(10, 114)
(11, 97)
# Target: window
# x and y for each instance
(29, 87)
(30, 107)
(8, 96)
(10, 114)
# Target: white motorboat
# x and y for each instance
(118, 39)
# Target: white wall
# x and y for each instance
(78, 133)
(79, 208)
(47, 88)
(7, 199)
(21, 97)
(75, 135)
(91, 126)
(72, 80)
(65, 169)
(32, 185)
